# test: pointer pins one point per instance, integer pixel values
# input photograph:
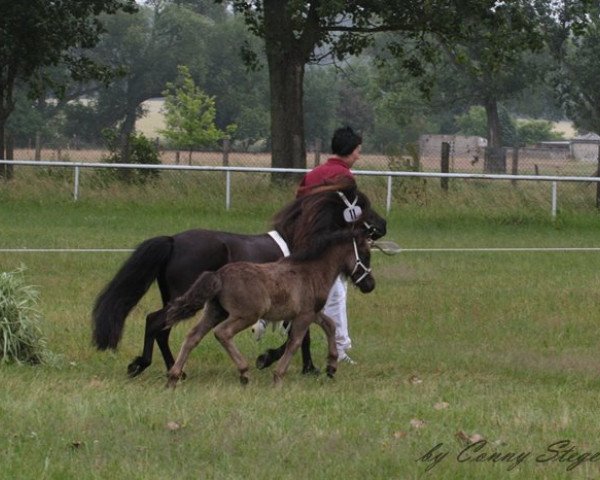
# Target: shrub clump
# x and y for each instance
(141, 151)
(21, 339)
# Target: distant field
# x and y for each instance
(151, 123)
(527, 166)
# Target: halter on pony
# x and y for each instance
(359, 264)
(353, 212)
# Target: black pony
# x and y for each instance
(175, 262)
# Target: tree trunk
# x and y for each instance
(287, 113)
(495, 155)
(6, 171)
(127, 129)
(287, 55)
(493, 123)
(7, 105)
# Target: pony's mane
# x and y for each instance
(322, 242)
(316, 213)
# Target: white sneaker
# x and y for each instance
(259, 329)
(345, 358)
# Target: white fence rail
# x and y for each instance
(553, 180)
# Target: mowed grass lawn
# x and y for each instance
(501, 348)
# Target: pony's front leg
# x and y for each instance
(328, 326)
(225, 333)
(297, 332)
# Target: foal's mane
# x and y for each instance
(316, 213)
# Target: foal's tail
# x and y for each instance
(126, 289)
(203, 289)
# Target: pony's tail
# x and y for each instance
(185, 306)
(126, 289)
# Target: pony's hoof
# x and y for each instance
(244, 381)
(331, 371)
(137, 366)
(262, 361)
(311, 370)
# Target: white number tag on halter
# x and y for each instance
(353, 212)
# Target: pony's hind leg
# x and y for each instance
(328, 326)
(209, 320)
(162, 340)
(225, 333)
(308, 367)
(266, 359)
(154, 322)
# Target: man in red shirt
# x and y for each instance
(345, 146)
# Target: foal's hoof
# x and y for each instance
(171, 383)
(262, 361)
(330, 371)
(136, 367)
(244, 381)
(310, 370)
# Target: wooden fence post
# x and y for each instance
(598, 183)
(445, 165)
(38, 146)
(9, 145)
(515, 164)
(226, 148)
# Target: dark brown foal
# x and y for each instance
(293, 289)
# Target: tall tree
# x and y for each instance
(38, 33)
(579, 86)
(490, 64)
(296, 32)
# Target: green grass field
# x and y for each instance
(500, 347)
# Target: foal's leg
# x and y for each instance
(154, 322)
(297, 332)
(225, 333)
(208, 321)
(328, 326)
(273, 354)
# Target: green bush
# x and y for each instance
(141, 151)
(534, 131)
(21, 339)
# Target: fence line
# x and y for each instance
(378, 173)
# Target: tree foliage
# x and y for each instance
(296, 33)
(190, 114)
(38, 33)
(580, 73)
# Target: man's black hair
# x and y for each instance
(344, 141)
